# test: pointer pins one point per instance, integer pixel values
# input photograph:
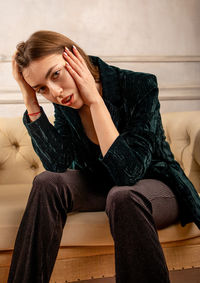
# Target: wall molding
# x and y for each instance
(150, 59)
(13, 90)
(20, 101)
(178, 97)
(161, 98)
(138, 58)
(161, 87)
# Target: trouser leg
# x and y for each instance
(135, 213)
(40, 231)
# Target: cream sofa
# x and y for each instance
(87, 247)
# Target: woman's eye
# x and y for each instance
(56, 74)
(41, 90)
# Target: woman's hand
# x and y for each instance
(29, 95)
(83, 78)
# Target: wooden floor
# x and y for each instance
(176, 276)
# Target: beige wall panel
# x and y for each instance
(160, 37)
(180, 105)
(168, 73)
(114, 27)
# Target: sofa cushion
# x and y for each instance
(82, 229)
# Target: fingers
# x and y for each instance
(75, 60)
(14, 55)
(75, 55)
(73, 73)
(15, 69)
(78, 55)
(13, 60)
(75, 65)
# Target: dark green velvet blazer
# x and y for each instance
(139, 152)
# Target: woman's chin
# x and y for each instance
(77, 104)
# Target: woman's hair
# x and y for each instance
(43, 43)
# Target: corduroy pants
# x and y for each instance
(135, 213)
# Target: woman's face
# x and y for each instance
(49, 77)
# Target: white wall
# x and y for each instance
(157, 36)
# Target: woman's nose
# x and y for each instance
(56, 90)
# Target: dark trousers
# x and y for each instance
(135, 213)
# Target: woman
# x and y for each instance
(106, 151)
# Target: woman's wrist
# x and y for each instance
(33, 116)
(97, 103)
(34, 111)
(33, 108)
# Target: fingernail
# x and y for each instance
(74, 46)
(65, 54)
(66, 48)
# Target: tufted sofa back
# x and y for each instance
(18, 161)
(19, 164)
(182, 131)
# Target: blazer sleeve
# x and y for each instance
(130, 155)
(53, 144)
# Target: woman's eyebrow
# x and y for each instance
(47, 74)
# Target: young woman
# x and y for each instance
(106, 151)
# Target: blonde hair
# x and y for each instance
(43, 43)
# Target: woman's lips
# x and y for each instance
(68, 100)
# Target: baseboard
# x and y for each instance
(191, 275)
(99, 280)
(92, 268)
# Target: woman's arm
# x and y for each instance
(103, 124)
(52, 144)
(29, 95)
(130, 155)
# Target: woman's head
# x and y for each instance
(41, 62)
(43, 43)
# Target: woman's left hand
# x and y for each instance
(83, 78)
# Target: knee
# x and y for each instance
(125, 199)
(45, 178)
(45, 183)
(117, 198)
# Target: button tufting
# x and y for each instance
(15, 145)
(34, 167)
(188, 140)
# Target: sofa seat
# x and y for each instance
(82, 229)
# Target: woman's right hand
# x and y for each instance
(29, 94)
